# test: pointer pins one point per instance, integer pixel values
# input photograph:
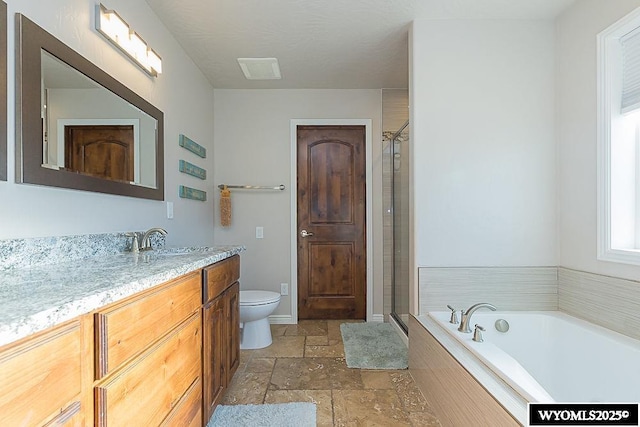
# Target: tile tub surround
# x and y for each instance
(42, 296)
(24, 253)
(508, 288)
(461, 389)
(606, 301)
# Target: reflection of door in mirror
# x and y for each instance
(103, 151)
(70, 98)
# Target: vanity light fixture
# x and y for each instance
(117, 31)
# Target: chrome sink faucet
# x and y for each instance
(145, 244)
(466, 316)
(135, 246)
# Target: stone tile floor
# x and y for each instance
(306, 363)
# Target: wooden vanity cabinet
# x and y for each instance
(148, 357)
(221, 341)
(41, 379)
(162, 357)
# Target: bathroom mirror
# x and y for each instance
(3, 91)
(77, 127)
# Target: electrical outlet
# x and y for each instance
(284, 289)
(259, 232)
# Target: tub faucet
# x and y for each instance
(454, 315)
(477, 333)
(145, 244)
(466, 316)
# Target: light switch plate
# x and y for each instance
(259, 232)
(170, 210)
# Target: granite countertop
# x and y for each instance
(37, 298)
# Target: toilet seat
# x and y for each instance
(252, 298)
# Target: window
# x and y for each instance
(619, 141)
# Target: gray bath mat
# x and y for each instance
(373, 346)
(296, 414)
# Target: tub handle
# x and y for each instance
(454, 315)
(477, 333)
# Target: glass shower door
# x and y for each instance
(400, 219)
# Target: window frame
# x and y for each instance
(608, 91)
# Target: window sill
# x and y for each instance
(623, 256)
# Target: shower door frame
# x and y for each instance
(393, 313)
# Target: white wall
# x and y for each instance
(482, 100)
(576, 117)
(181, 92)
(253, 147)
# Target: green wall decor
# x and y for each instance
(192, 146)
(192, 193)
(191, 169)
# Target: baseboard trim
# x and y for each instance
(377, 318)
(282, 319)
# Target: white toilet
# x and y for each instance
(255, 308)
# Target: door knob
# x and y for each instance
(305, 233)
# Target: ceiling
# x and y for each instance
(324, 44)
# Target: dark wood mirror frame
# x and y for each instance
(3, 91)
(30, 41)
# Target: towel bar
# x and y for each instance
(280, 187)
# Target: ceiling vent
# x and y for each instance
(260, 68)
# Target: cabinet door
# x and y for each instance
(40, 379)
(214, 356)
(127, 328)
(148, 389)
(232, 300)
(219, 276)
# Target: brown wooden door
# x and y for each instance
(331, 207)
(103, 151)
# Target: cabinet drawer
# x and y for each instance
(188, 412)
(40, 379)
(71, 416)
(219, 276)
(149, 388)
(127, 328)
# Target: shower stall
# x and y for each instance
(396, 198)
